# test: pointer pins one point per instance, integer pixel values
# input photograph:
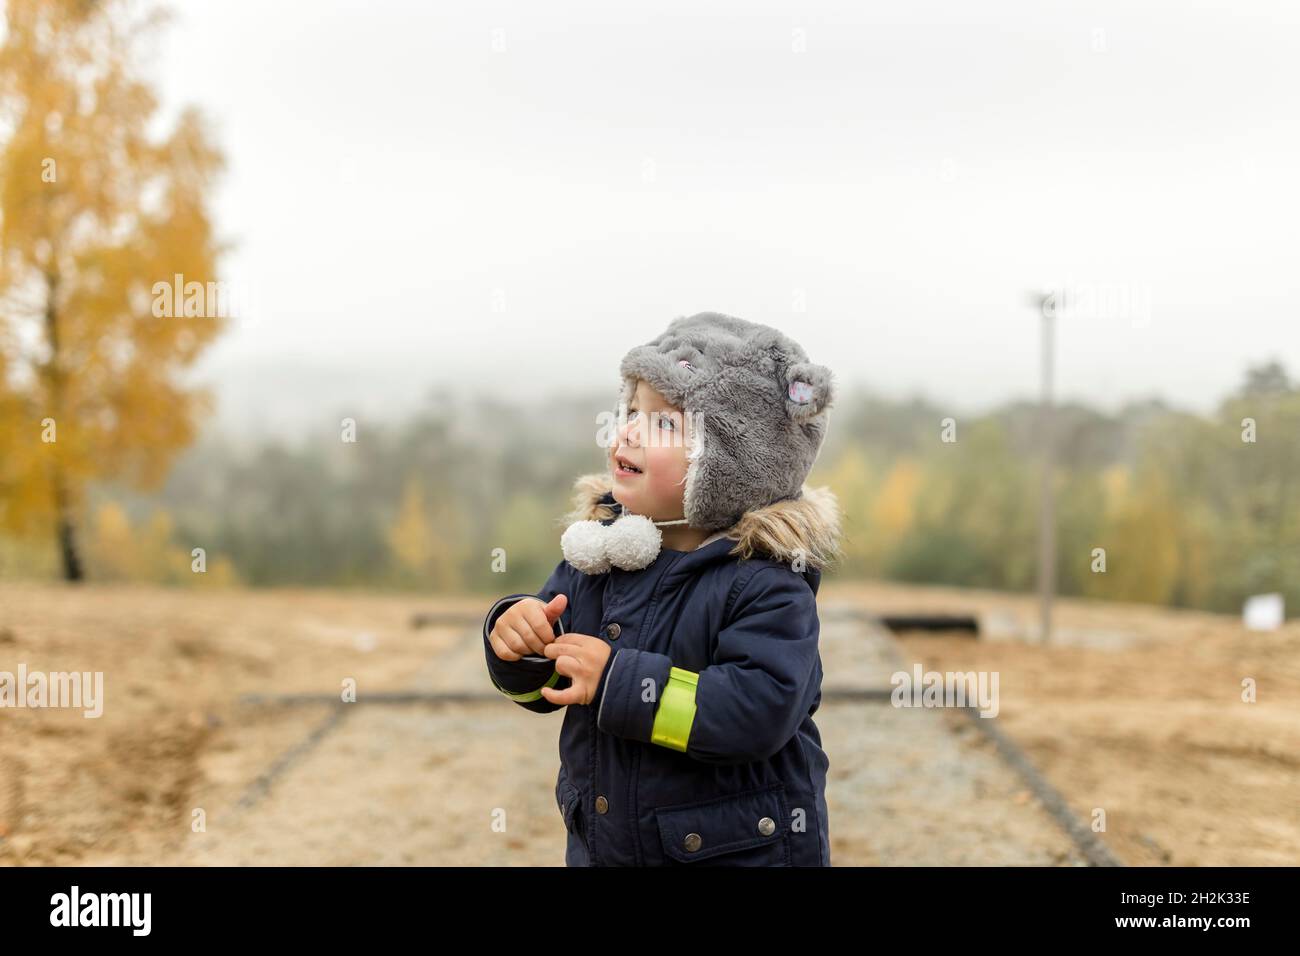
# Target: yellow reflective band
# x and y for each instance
(528, 695)
(676, 713)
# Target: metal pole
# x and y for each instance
(1047, 517)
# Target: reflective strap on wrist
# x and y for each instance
(531, 694)
(676, 713)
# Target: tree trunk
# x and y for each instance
(67, 534)
(68, 548)
(67, 530)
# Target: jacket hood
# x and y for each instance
(807, 526)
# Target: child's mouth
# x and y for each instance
(625, 469)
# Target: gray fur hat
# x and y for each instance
(757, 404)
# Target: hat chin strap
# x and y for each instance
(625, 513)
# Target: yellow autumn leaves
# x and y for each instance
(94, 210)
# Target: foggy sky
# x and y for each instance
(508, 196)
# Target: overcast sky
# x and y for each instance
(508, 196)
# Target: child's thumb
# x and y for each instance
(555, 607)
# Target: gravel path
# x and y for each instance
(432, 784)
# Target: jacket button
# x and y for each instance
(692, 842)
(612, 631)
(767, 826)
(601, 804)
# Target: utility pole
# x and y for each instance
(1047, 307)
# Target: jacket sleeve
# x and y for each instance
(522, 680)
(747, 704)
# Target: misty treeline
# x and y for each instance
(1178, 508)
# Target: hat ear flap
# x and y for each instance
(809, 390)
(627, 390)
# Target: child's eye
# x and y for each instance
(661, 418)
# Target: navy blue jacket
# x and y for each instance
(749, 787)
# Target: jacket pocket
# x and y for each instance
(742, 829)
(569, 797)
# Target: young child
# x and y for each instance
(686, 659)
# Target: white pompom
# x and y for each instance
(632, 542)
(583, 544)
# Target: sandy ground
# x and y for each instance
(1138, 712)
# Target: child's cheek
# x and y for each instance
(667, 471)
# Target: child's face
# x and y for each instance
(655, 439)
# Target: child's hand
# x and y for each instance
(582, 659)
(526, 628)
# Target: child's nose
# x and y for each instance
(629, 432)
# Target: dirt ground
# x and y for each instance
(1138, 711)
(1133, 710)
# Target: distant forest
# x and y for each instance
(1191, 511)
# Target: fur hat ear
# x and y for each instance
(809, 390)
